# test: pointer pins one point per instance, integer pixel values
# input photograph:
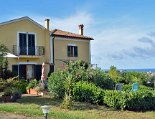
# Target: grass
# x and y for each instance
(30, 106)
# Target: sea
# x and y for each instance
(137, 70)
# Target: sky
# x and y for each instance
(123, 30)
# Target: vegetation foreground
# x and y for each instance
(30, 106)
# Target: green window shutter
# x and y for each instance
(75, 51)
(37, 71)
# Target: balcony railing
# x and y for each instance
(33, 51)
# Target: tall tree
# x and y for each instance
(3, 61)
(113, 73)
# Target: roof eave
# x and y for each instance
(71, 37)
(23, 18)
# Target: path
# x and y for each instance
(4, 115)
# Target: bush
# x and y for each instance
(13, 83)
(138, 101)
(9, 74)
(20, 85)
(128, 87)
(131, 77)
(87, 92)
(56, 84)
(32, 84)
(3, 85)
(78, 69)
(102, 79)
(141, 100)
(115, 99)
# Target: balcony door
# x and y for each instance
(26, 44)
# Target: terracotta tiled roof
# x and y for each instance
(60, 33)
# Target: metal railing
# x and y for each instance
(34, 51)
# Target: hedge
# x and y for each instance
(139, 101)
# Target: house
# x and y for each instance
(34, 44)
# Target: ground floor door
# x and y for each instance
(29, 71)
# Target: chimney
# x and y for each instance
(47, 23)
(81, 29)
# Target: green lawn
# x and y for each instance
(30, 106)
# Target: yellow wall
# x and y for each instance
(8, 37)
(60, 50)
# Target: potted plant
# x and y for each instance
(40, 89)
(31, 87)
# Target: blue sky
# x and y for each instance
(124, 30)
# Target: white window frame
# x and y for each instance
(26, 40)
(73, 49)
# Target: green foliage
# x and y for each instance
(9, 74)
(3, 52)
(78, 70)
(33, 83)
(113, 73)
(131, 77)
(20, 85)
(3, 60)
(115, 99)
(67, 102)
(151, 81)
(139, 101)
(80, 82)
(3, 85)
(8, 92)
(56, 84)
(128, 88)
(102, 79)
(13, 83)
(87, 92)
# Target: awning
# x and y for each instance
(9, 55)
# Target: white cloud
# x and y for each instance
(119, 45)
(69, 23)
(122, 42)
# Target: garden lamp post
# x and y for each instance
(45, 110)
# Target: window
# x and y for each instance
(26, 44)
(72, 51)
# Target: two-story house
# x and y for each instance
(34, 44)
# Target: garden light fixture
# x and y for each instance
(45, 110)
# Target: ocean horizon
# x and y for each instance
(137, 70)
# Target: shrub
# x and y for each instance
(87, 92)
(13, 83)
(67, 101)
(3, 85)
(115, 99)
(139, 101)
(128, 87)
(32, 84)
(9, 74)
(131, 77)
(20, 85)
(56, 84)
(102, 79)
(78, 70)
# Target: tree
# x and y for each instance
(3, 60)
(113, 72)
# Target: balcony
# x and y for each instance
(28, 51)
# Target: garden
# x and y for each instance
(79, 91)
